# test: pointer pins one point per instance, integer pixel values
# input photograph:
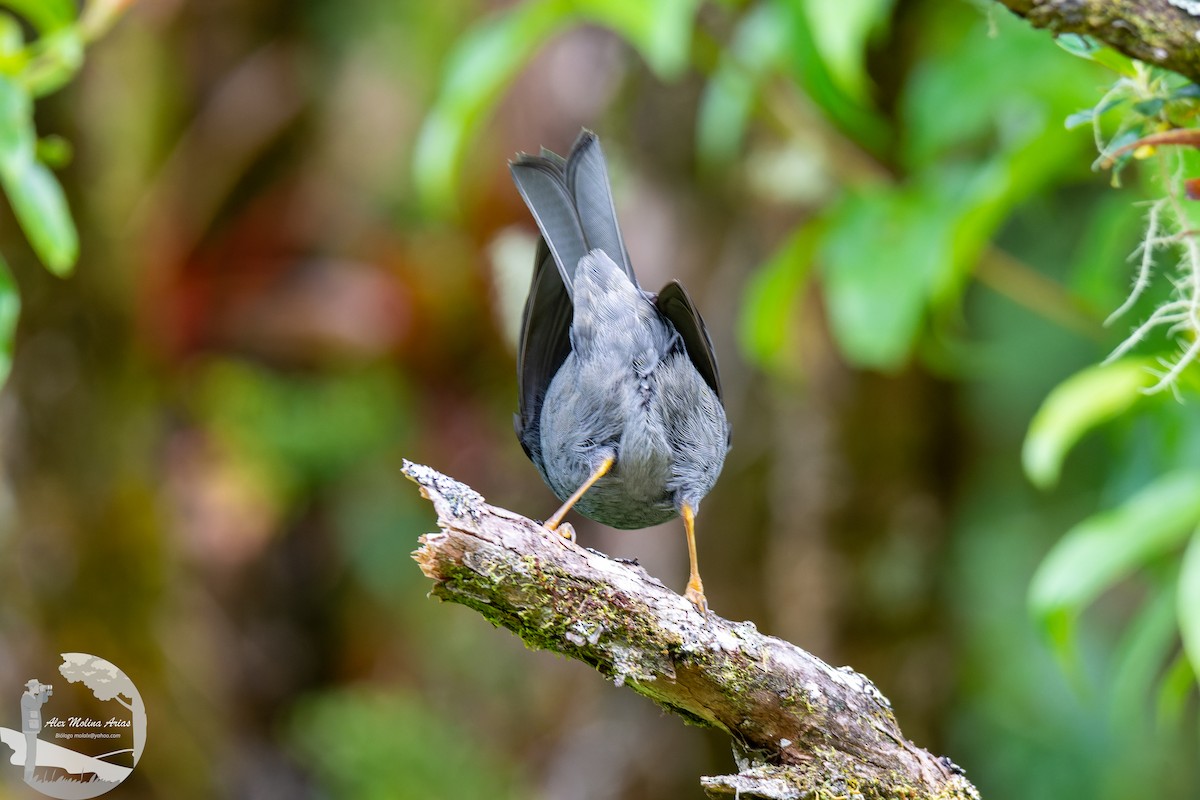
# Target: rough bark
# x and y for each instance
(1160, 32)
(801, 728)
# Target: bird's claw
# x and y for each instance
(564, 529)
(695, 594)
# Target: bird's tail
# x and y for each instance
(571, 200)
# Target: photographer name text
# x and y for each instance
(87, 722)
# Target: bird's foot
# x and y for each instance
(564, 529)
(695, 594)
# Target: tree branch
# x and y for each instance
(1160, 32)
(801, 728)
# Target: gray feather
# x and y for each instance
(587, 180)
(554, 158)
(543, 345)
(675, 304)
(542, 185)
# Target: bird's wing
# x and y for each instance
(587, 181)
(674, 304)
(543, 345)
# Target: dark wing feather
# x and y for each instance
(542, 184)
(543, 345)
(555, 159)
(674, 304)
(587, 181)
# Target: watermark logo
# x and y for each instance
(79, 738)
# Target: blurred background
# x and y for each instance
(301, 260)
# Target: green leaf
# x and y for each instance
(875, 267)
(1150, 108)
(12, 38)
(1117, 62)
(1189, 602)
(10, 311)
(46, 16)
(841, 32)
(481, 65)
(858, 119)
(1107, 547)
(17, 135)
(35, 194)
(660, 31)
(54, 151)
(41, 207)
(1142, 652)
(1188, 91)
(1086, 116)
(1088, 48)
(1129, 136)
(1079, 119)
(1078, 404)
(767, 325)
(1176, 687)
(956, 102)
(894, 253)
(56, 59)
(1077, 44)
(758, 44)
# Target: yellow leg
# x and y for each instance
(556, 520)
(695, 588)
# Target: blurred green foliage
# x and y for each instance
(302, 431)
(905, 187)
(1107, 547)
(486, 60)
(894, 253)
(981, 125)
(1152, 480)
(377, 746)
(302, 438)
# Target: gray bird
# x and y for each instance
(619, 399)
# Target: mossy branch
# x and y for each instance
(1158, 32)
(801, 728)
